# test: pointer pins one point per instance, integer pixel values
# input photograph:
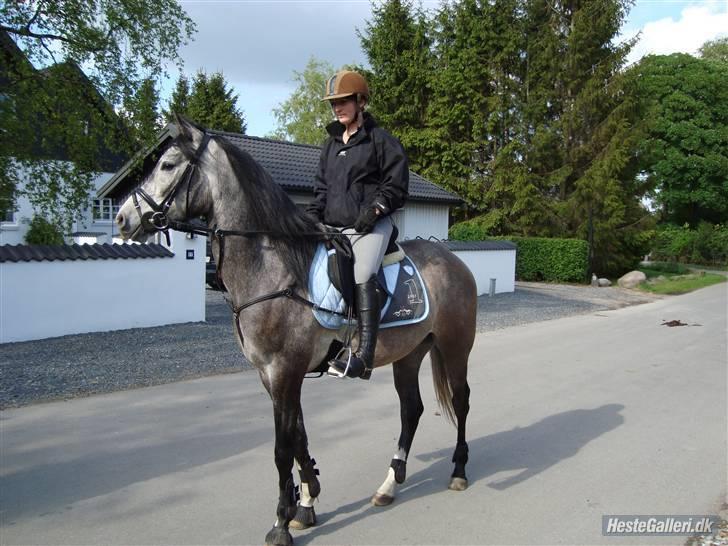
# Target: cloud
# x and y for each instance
(697, 24)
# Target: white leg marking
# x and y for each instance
(306, 498)
(389, 485)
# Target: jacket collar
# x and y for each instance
(336, 129)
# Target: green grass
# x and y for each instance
(680, 284)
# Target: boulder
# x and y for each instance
(631, 279)
(604, 282)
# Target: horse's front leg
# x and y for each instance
(285, 391)
(310, 486)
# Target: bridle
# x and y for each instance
(156, 219)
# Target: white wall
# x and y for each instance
(13, 233)
(48, 299)
(422, 220)
(491, 264)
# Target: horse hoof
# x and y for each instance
(382, 500)
(458, 484)
(278, 536)
(305, 518)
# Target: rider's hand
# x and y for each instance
(367, 218)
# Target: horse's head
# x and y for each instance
(172, 190)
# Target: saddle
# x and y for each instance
(403, 296)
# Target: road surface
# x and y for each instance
(571, 419)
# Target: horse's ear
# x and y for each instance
(188, 130)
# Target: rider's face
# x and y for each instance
(345, 110)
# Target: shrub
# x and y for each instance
(556, 260)
(708, 244)
(42, 232)
(537, 258)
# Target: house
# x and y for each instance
(94, 223)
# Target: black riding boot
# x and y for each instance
(362, 362)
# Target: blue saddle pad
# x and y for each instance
(407, 301)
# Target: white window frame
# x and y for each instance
(103, 211)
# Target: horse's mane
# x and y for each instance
(270, 209)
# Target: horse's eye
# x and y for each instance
(166, 166)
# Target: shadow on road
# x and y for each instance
(504, 459)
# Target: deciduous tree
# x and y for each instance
(303, 116)
(58, 54)
(684, 156)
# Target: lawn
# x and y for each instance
(672, 278)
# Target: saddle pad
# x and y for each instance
(407, 301)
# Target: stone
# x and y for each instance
(631, 279)
(604, 282)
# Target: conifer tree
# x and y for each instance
(210, 103)
(397, 43)
(141, 112)
(180, 99)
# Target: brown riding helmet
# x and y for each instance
(345, 83)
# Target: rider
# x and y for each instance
(363, 177)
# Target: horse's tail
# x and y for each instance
(443, 389)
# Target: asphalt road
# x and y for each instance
(571, 419)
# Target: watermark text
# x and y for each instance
(644, 525)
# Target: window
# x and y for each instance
(8, 216)
(105, 210)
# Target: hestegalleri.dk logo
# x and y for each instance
(641, 525)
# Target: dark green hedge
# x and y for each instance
(537, 258)
(555, 260)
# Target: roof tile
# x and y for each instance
(39, 253)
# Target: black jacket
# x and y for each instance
(369, 171)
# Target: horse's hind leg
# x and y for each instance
(452, 360)
(310, 487)
(406, 382)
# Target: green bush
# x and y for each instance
(42, 232)
(555, 260)
(708, 244)
(537, 258)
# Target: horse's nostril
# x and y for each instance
(119, 219)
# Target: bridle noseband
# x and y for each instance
(156, 219)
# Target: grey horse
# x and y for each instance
(264, 258)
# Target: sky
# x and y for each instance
(259, 44)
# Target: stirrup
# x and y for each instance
(334, 370)
(355, 366)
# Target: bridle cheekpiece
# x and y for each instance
(157, 219)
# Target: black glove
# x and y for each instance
(367, 218)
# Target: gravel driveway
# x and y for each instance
(85, 364)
